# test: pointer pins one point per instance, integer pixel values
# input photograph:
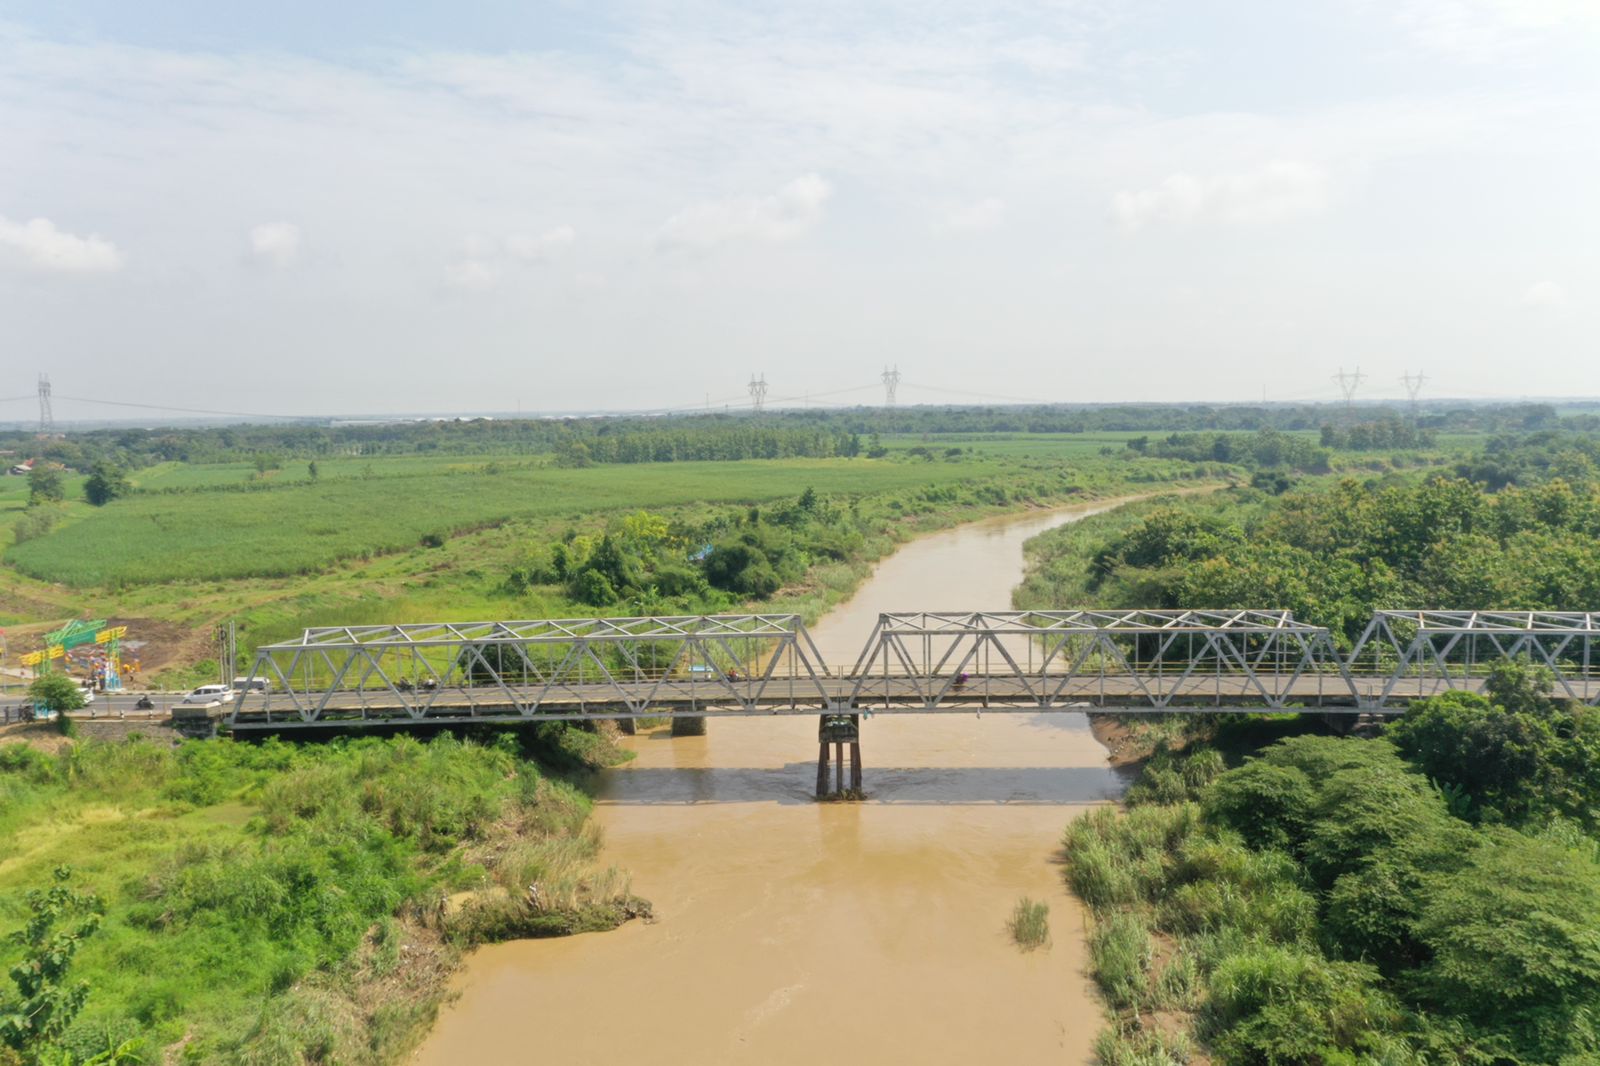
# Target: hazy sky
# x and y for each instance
(307, 207)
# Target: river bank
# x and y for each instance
(788, 930)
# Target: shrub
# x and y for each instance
(1514, 943)
(1030, 924)
(1120, 950)
(1279, 1004)
(1269, 806)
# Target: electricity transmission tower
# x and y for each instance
(47, 419)
(758, 391)
(1413, 387)
(1348, 383)
(891, 381)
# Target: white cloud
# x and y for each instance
(780, 216)
(44, 247)
(1547, 295)
(1280, 190)
(978, 217)
(1486, 30)
(471, 274)
(277, 243)
(543, 246)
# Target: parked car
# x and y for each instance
(209, 696)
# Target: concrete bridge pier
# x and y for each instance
(838, 730)
(683, 726)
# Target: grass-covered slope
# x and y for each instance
(277, 903)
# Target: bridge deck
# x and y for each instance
(808, 696)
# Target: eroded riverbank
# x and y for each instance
(793, 932)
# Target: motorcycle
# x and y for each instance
(144, 703)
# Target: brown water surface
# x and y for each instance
(790, 931)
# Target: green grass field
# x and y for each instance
(168, 476)
(301, 528)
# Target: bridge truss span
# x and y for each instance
(1158, 659)
(1423, 653)
(913, 663)
(546, 668)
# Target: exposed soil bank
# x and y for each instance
(796, 932)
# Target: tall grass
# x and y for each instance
(1030, 924)
(251, 890)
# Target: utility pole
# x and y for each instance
(47, 419)
(758, 391)
(1348, 383)
(1413, 388)
(891, 381)
(227, 651)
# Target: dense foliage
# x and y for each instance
(1334, 556)
(1346, 900)
(250, 894)
(1264, 449)
(649, 561)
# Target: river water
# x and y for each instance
(793, 932)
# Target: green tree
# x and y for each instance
(106, 482)
(1521, 686)
(311, 470)
(45, 484)
(56, 692)
(44, 1004)
(1514, 944)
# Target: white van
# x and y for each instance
(251, 684)
(209, 696)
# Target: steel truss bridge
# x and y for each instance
(708, 666)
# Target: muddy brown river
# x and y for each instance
(790, 931)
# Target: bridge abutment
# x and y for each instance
(686, 726)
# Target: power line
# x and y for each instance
(179, 410)
(1031, 400)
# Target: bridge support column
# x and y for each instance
(837, 730)
(627, 726)
(688, 727)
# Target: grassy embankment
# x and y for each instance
(287, 904)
